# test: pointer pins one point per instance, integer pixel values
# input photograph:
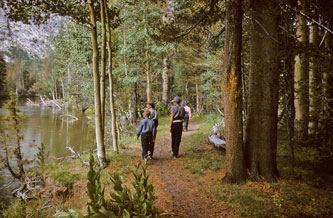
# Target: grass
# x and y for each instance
(198, 159)
(302, 191)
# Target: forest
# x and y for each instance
(88, 88)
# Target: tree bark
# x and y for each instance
(315, 82)
(97, 97)
(18, 77)
(63, 88)
(301, 79)
(103, 62)
(148, 73)
(112, 108)
(261, 124)
(135, 102)
(232, 94)
(197, 92)
(165, 85)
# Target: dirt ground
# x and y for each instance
(177, 191)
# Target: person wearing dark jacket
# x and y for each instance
(147, 131)
(153, 116)
(176, 125)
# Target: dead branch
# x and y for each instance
(69, 115)
(78, 156)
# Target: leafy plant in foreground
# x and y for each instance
(123, 202)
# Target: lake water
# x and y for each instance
(45, 125)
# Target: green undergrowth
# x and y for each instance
(66, 173)
(197, 158)
(304, 190)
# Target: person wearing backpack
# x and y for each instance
(154, 117)
(176, 125)
(147, 131)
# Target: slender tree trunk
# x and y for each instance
(97, 97)
(315, 82)
(111, 87)
(103, 62)
(232, 94)
(55, 90)
(261, 124)
(124, 58)
(165, 85)
(135, 102)
(63, 88)
(301, 79)
(197, 92)
(18, 77)
(69, 77)
(148, 73)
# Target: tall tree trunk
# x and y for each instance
(56, 90)
(124, 57)
(315, 82)
(148, 73)
(261, 124)
(112, 108)
(197, 92)
(165, 77)
(62, 88)
(135, 102)
(103, 62)
(232, 94)
(18, 76)
(97, 97)
(301, 79)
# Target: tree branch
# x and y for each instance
(78, 156)
(310, 18)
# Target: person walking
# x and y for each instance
(188, 115)
(176, 125)
(153, 116)
(147, 130)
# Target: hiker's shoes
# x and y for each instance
(149, 155)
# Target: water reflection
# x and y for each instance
(43, 125)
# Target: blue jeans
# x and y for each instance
(146, 143)
(186, 121)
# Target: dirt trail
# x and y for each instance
(178, 193)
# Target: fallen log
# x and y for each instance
(217, 142)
